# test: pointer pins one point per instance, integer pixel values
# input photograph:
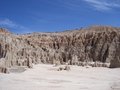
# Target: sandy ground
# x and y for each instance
(46, 77)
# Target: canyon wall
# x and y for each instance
(95, 43)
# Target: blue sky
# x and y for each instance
(27, 16)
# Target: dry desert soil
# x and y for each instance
(46, 77)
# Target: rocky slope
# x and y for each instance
(95, 43)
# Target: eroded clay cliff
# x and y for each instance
(96, 43)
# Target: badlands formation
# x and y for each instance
(95, 46)
(96, 43)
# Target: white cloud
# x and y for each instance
(103, 5)
(8, 23)
(70, 4)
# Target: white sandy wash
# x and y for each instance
(46, 77)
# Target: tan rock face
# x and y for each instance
(96, 43)
(4, 31)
